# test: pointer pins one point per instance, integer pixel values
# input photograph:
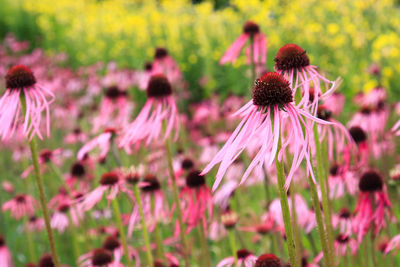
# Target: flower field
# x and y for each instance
(199, 133)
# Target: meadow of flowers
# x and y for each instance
(216, 133)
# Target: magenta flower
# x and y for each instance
(102, 141)
(150, 188)
(245, 259)
(342, 221)
(160, 107)
(396, 128)
(393, 244)
(21, 85)
(335, 103)
(293, 63)
(5, 255)
(250, 30)
(165, 64)
(110, 185)
(143, 77)
(196, 199)
(269, 260)
(266, 117)
(112, 244)
(115, 109)
(98, 257)
(344, 242)
(371, 205)
(20, 206)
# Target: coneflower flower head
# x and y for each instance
(194, 179)
(160, 108)
(259, 49)
(46, 261)
(370, 182)
(111, 243)
(78, 170)
(150, 184)
(271, 90)
(109, 179)
(293, 63)
(158, 86)
(264, 119)
(101, 257)
(358, 134)
(20, 81)
(268, 260)
(291, 56)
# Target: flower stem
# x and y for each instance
(75, 243)
(42, 197)
(373, 250)
(204, 245)
(159, 245)
(322, 178)
(296, 232)
(117, 213)
(232, 242)
(320, 224)
(31, 247)
(144, 227)
(177, 202)
(253, 64)
(285, 208)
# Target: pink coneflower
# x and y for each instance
(143, 77)
(160, 107)
(343, 221)
(293, 63)
(150, 188)
(245, 259)
(266, 117)
(102, 141)
(112, 244)
(343, 242)
(393, 244)
(5, 255)
(97, 257)
(110, 184)
(21, 205)
(196, 199)
(336, 135)
(59, 219)
(340, 181)
(360, 138)
(76, 136)
(396, 128)
(371, 205)
(250, 30)
(115, 109)
(21, 86)
(35, 224)
(268, 260)
(165, 64)
(335, 103)
(46, 156)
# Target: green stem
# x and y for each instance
(31, 247)
(43, 204)
(232, 243)
(296, 232)
(204, 245)
(253, 65)
(144, 227)
(177, 203)
(285, 208)
(75, 243)
(322, 178)
(159, 245)
(365, 252)
(320, 224)
(373, 250)
(117, 213)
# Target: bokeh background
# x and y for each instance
(342, 37)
